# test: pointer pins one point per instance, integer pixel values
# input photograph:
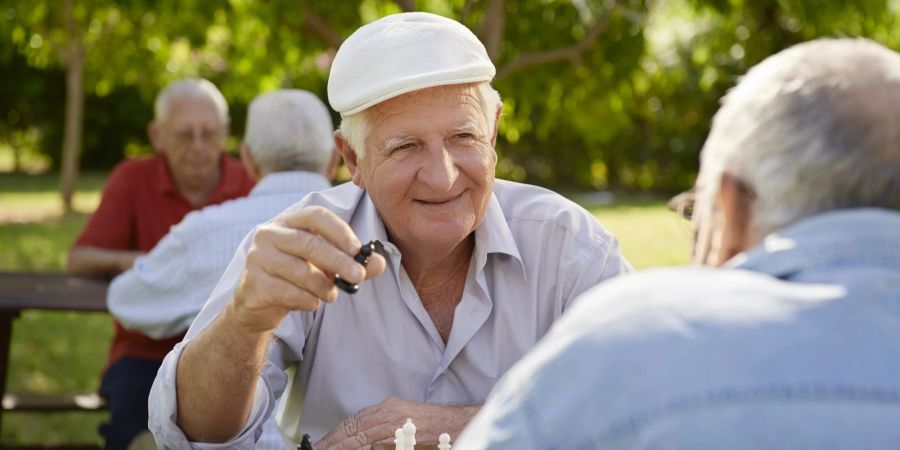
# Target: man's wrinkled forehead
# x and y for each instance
(191, 108)
(462, 101)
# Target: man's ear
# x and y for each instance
(738, 232)
(333, 164)
(496, 125)
(346, 151)
(249, 163)
(153, 133)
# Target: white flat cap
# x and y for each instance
(402, 53)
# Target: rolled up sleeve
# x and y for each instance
(163, 408)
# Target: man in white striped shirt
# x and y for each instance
(288, 147)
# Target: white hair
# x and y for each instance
(811, 129)
(356, 128)
(190, 87)
(289, 129)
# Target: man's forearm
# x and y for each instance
(216, 379)
(95, 261)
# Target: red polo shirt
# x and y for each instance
(139, 204)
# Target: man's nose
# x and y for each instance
(198, 140)
(439, 171)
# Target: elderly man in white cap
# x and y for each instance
(471, 275)
(794, 342)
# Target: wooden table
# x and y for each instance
(43, 292)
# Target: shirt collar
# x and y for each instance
(492, 236)
(290, 182)
(166, 183)
(862, 235)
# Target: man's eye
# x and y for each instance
(406, 146)
(465, 136)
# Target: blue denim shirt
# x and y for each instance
(795, 344)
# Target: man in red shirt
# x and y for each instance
(142, 199)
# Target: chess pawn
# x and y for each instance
(409, 435)
(398, 440)
(444, 441)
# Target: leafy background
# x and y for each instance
(628, 111)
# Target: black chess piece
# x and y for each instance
(305, 444)
(362, 257)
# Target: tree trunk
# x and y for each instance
(74, 110)
(17, 155)
(493, 28)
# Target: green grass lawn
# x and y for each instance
(51, 352)
(60, 352)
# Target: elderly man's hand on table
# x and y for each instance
(291, 266)
(377, 423)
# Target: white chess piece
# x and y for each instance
(444, 441)
(399, 444)
(409, 435)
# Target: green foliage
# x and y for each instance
(650, 234)
(630, 112)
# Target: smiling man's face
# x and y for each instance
(429, 165)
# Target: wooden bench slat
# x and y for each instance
(50, 447)
(52, 402)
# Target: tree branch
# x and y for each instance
(466, 10)
(493, 28)
(406, 5)
(572, 53)
(318, 26)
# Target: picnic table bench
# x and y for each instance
(45, 292)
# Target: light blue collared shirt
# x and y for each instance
(534, 252)
(166, 288)
(796, 344)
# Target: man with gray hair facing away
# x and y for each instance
(793, 341)
(288, 147)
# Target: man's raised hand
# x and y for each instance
(291, 265)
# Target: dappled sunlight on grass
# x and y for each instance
(649, 233)
(38, 246)
(33, 198)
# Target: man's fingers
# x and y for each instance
(272, 298)
(293, 297)
(315, 249)
(375, 266)
(380, 432)
(320, 221)
(344, 436)
(301, 274)
(375, 423)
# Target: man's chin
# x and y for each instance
(444, 233)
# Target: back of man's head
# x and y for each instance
(811, 129)
(289, 129)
